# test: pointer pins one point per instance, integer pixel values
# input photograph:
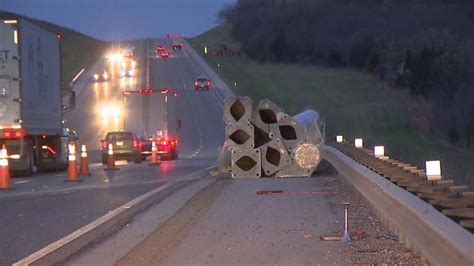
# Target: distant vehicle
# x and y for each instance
(31, 98)
(177, 46)
(160, 48)
(104, 76)
(167, 147)
(126, 146)
(202, 83)
(127, 73)
(165, 54)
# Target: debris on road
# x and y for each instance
(267, 141)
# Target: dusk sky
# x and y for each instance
(123, 19)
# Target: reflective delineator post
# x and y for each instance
(346, 238)
(110, 159)
(72, 175)
(84, 169)
(5, 182)
(154, 155)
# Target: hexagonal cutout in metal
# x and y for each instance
(237, 110)
(273, 156)
(245, 163)
(239, 136)
(288, 132)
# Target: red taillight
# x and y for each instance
(195, 83)
(14, 134)
(20, 134)
(136, 144)
(208, 83)
(104, 145)
(164, 142)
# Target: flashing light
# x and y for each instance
(339, 139)
(146, 91)
(379, 151)
(165, 91)
(59, 36)
(433, 170)
(175, 94)
(358, 143)
(15, 36)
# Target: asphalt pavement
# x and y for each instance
(44, 208)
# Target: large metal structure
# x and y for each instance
(268, 142)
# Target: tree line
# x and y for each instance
(424, 45)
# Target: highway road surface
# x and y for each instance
(42, 209)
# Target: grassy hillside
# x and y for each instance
(353, 104)
(78, 50)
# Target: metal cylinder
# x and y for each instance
(237, 110)
(238, 135)
(274, 157)
(246, 163)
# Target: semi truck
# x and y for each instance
(31, 104)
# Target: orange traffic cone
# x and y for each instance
(72, 175)
(110, 159)
(154, 155)
(84, 169)
(5, 182)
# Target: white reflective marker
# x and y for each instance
(359, 143)
(379, 151)
(433, 170)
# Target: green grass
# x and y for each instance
(351, 103)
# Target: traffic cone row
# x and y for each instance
(72, 175)
(110, 159)
(5, 182)
(154, 155)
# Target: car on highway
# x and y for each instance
(126, 146)
(167, 147)
(127, 73)
(165, 54)
(104, 76)
(202, 83)
(177, 46)
(160, 48)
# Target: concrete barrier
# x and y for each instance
(419, 226)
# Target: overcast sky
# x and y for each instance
(123, 19)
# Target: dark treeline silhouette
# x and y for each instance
(424, 45)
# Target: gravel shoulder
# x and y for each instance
(228, 223)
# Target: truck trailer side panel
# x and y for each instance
(9, 76)
(40, 80)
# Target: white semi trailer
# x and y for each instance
(30, 98)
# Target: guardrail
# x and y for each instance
(419, 225)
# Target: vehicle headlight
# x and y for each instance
(96, 76)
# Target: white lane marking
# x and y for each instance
(22, 182)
